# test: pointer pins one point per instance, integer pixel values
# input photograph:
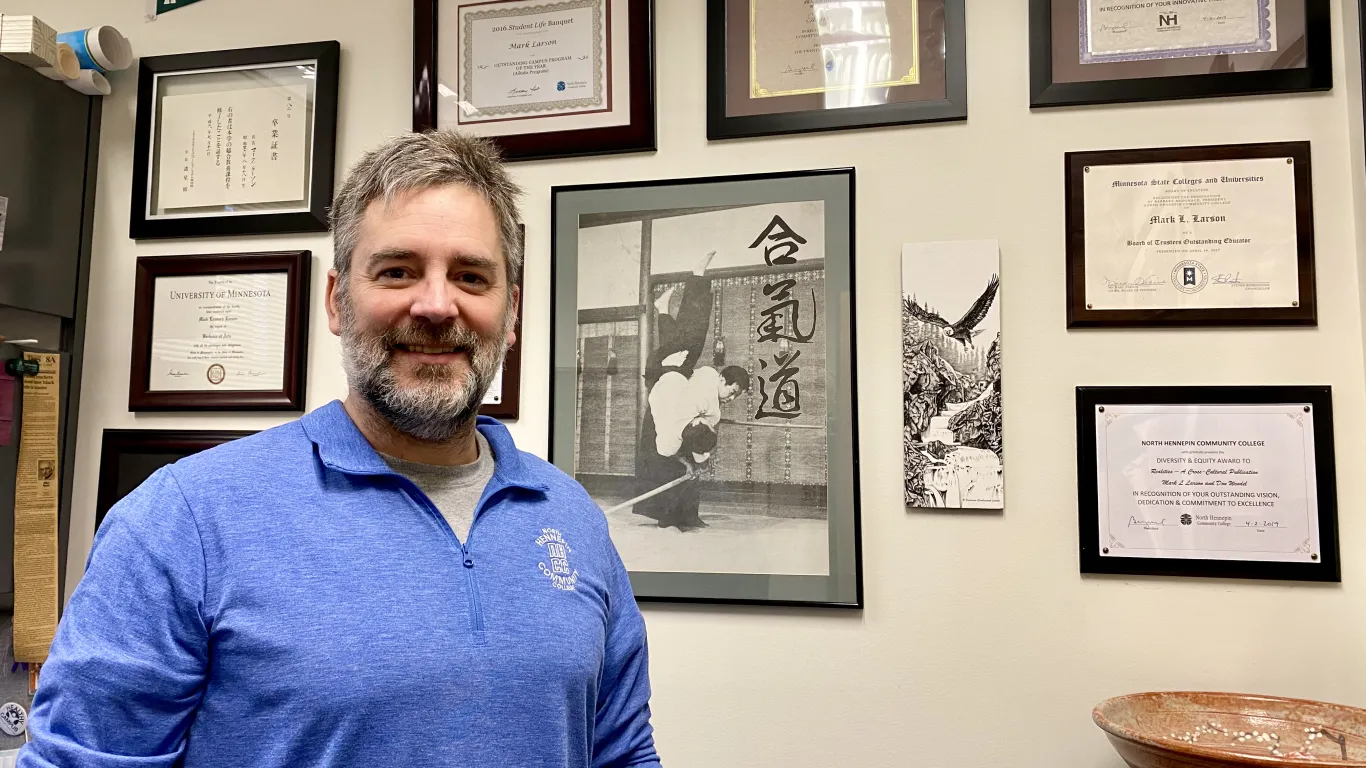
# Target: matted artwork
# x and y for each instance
(951, 375)
(703, 385)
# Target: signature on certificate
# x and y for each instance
(1138, 282)
(176, 373)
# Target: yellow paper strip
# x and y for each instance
(35, 514)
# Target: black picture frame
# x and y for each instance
(1081, 315)
(1327, 568)
(1045, 91)
(130, 456)
(636, 136)
(574, 208)
(721, 126)
(290, 397)
(323, 147)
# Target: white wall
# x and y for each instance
(980, 646)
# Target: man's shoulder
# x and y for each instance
(565, 494)
(267, 453)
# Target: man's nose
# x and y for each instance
(435, 301)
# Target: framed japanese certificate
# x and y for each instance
(235, 142)
(220, 332)
(1219, 235)
(1208, 481)
(1100, 51)
(702, 381)
(543, 78)
(775, 66)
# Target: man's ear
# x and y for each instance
(516, 308)
(333, 307)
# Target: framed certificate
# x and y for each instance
(1103, 51)
(1231, 482)
(543, 78)
(702, 381)
(236, 142)
(775, 66)
(220, 332)
(1218, 235)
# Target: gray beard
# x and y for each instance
(443, 404)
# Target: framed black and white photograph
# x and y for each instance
(1228, 482)
(541, 78)
(219, 332)
(1191, 236)
(1102, 52)
(778, 67)
(703, 381)
(951, 375)
(129, 456)
(237, 142)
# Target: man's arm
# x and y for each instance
(126, 670)
(622, 734)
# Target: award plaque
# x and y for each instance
(235, 142)
(1220, 235)
(220, 332)
(1105, 51)
(542, 78)
(1208, 481)
(775, 66)
(504, 396)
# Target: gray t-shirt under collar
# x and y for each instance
(454, 490)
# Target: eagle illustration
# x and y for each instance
(966, 328)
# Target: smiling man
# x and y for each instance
(386, 581)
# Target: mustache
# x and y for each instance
(462, 339)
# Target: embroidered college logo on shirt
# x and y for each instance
(561, 575)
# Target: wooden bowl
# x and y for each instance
(1224, 730)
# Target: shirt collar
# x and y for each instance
(342, 447)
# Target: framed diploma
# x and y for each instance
(236, 142)
(220, 332)
(1218, 235)
(702, 382)
(776, 66)
(130, 456)
(1105, 51)
(542, 78)
(1234, 482)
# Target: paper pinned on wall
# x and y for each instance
(35, 513)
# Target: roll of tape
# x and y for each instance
(101, 48)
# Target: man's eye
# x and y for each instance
(394, 273)
(472, 279)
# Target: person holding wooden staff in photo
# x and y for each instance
(679, 430)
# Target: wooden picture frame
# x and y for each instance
(509, 405)
(558, 139)
(293, 266)
(1081, 314)
(1302, 63)
(130, 456)
(311, 70)
(940, 94)
(1100, 553)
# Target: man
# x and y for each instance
(316, 595)
(678, 432)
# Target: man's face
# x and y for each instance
(729, 392)
(427, 313)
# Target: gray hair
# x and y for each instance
(416, 161)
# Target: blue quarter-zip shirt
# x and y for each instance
(287, 600)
